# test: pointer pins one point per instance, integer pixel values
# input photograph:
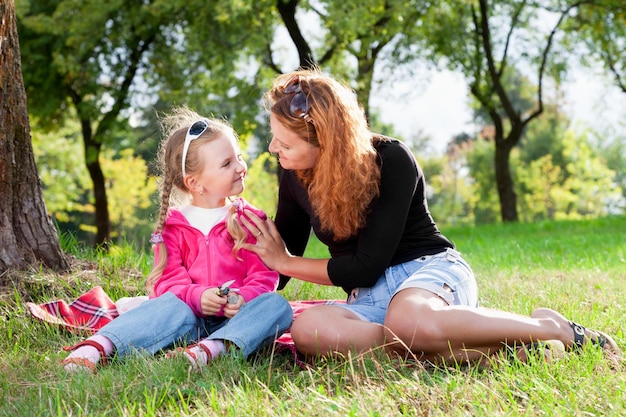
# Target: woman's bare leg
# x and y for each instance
(421, 325)
(423, 322)
(326, 329)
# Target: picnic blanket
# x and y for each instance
(94, 309)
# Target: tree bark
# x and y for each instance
(504, 180)
(28, 236)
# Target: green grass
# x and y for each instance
(577, 268)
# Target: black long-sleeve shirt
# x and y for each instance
(398, 228)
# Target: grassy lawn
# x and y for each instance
(577, 268)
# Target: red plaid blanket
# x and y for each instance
(88, 313)
(92, 310)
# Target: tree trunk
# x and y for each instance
(103, 224)
(27, 235)
(92, 158)
(504, 181)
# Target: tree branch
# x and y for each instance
(287, 11)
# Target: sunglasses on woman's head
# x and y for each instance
(194, 132)
(299, 106)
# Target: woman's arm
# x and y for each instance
(272, 250)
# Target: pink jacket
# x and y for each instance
(196, 262)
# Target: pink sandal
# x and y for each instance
(84, 362)
(192, 355)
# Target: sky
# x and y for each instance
(439, 107)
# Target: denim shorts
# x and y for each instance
(445, 274)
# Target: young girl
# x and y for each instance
(204, 287)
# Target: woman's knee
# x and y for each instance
(413, 327)
(303, 326)
(307, 329)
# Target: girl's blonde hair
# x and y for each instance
(172, 188)
(346, 177)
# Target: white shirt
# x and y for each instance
(204, 219)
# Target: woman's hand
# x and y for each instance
(269, 245)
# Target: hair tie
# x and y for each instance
(238, 204)
(156, 237)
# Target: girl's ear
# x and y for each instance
(192, 184)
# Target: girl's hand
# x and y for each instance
(269, 245)
(231, 308)
(210, 302)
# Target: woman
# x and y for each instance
(364, 197)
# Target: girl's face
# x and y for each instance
(223, 174)
(293, 152)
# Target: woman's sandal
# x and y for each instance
(84, 363)
(596, 338)
(583, 336)
(609, 348)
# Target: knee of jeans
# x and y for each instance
(281, 308)
(272, 304)
(176, 309)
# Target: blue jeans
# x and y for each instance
(161, 322)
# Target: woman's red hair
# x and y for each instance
(346, 177)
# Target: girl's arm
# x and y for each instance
(175, 277)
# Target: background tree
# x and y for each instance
(612, 148)
(487, 40)
(67, 189)
(111, 59)
(27, 233)
(218, 57)
(600, 27)
(366, 32)
(130, 190)
(352, 37)
(454, 192)
(287, 10)
(87, 57)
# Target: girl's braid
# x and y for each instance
(166, 186)
(166, 190)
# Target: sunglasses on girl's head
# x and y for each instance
(194, 132)
(299, 106)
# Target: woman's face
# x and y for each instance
(292, 151)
